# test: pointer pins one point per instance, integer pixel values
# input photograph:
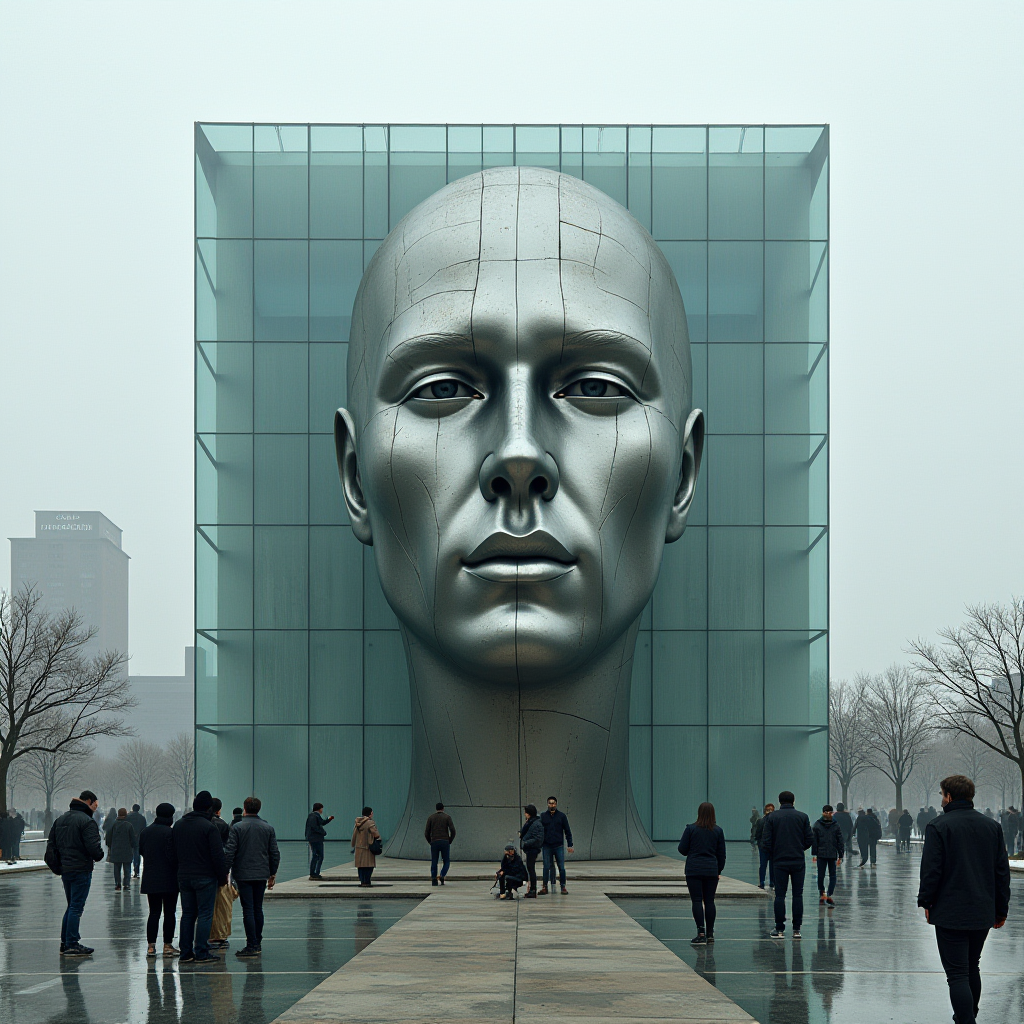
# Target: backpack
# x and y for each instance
(51, 857)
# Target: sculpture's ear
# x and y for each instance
(348, 469)
(693, 450)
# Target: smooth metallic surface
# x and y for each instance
(520, 445)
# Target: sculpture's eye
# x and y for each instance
(438, 390)
(593, 387)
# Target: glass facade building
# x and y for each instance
(301, 685)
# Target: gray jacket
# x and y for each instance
(251, 849)
(123, 841)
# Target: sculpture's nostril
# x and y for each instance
(499, 485)
(538, 485)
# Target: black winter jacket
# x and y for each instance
(316, 827)
(159, 861)
(868, 828)
(787, 833)
(75, 836)
(198, 847)
(845, 824)
(704, 850)
(965, 873)
(222, 827)
(514, 869)
(827, 840)
(138, 822)
(759, 828)
(122, 842)
(555, 825)
(905, 823)
(531, 835)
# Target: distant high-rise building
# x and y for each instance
(75, 561)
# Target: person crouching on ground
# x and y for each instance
(364, 835)
(703, 846)
(511, 873)
(828, 846)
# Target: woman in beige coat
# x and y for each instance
(364, 833)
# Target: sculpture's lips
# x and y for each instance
(504, 558)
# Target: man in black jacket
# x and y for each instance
(138, 822)
(72, 847)
(827, 850)
(316, 833)
(869, 831)
(786, 834)
(201, 868)
(965, 890)
(842, 815)
(557, 835)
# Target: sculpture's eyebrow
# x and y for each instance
(429, 347)
(614, 343)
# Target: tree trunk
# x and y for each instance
(3, 786)
(846, 794)
(899, 797)
(48, 814)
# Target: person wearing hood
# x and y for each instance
(828, 847)
(364, 835)
(201, 869)
(160, 878)
(122, 849)
(511, 873)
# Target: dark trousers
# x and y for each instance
(364, 874)
(76, 892)
(766, 862)
(867, 847)
(443, 849)
(198, 896)
(166, 903)
(122, 872)
(553, 855)
(531, 867)
(509, 884)
(960, 953)
(784, 874)
(136, 861)
(702, 900)
(316, 857)
(250, 895)
(828, 863)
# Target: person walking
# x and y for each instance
(365, 841)
(842, 816)
(557, 835)
(531, 839)
(787, 833)
(703, 846)
(828, 848)
(138, 823)
(765, 861)
(964, 890)
(122, 849)
(160, 878)
(108, 823)
(253, 859)
(904, 826)
(869, 831)
(72, 848)
(316, 833)
(440, 833)
(894, 817)
(202, 868)
(511, 873)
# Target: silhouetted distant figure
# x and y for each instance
(440, 833)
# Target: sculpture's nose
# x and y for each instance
(519, 469)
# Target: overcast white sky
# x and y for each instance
(925, 102)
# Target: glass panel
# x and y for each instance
(799, 763)
(796, 481)
(224, 677)
(639, 179)
(604, 159)
(735, 775)
(336, 776)
(375, 181)
(680, 597)
(679, 187)
(223, 290)
(224, 386)
(336, 676)
(735, 564)
(796, 389)
(735, 473)
(282, 291)
(499, 145)
(796, 291)
(328, 385)
(335, 593)
(680, 684)
(465, 150)
(224, 181)
(224, 760)
(335, 270)
(699, 363)
(418, 166)
(735, 389)
(224, 479)
(572, 150)
(685, 748)
(796, 577)
(281, 377)
(281, 476)
(376, 610)
(735, 678)
(336, 181)
(224, 577)
(280, 577)
(385, 679)
(537, 146)
(689, 263)
(387, 762)
(735, 289)
(796, 182)
(640, 685)
(284, 794)
(326, 502)
(640, 771)
(280, 676)
(796, 678)
(280, 181)
(736, 183)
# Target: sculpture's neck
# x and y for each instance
(485, 750)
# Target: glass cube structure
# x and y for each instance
(301, 685)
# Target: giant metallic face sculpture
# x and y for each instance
(520, 445)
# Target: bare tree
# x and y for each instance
(972, 759)
(181, 765)
(899, 732)
(52, 770)
(14, 776)
(847, 739)
(143, 766)
(932, 766)
(43, 672)
(976, 678)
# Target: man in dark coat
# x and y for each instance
(316, 833)
(72, 847)
(557, 835)
(965, 890)
(201, 869)
(138, 823)
(511, 873)
(869, 831)
(440, 833)
(904, 825)
(842, 816)
(827, 850)
(786, 835)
